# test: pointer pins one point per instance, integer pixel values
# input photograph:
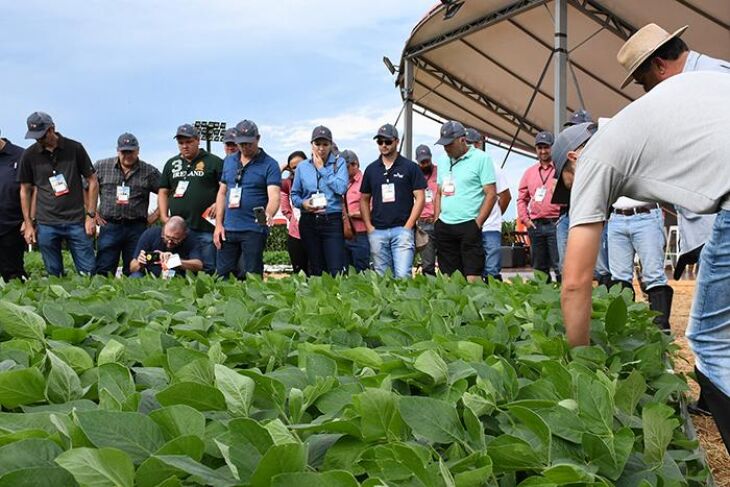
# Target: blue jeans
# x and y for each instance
(709, 322)
(492, 242)
(80, 245)
(544, 247)
(117, 239)
(562, 230)
(324, 240)
(246, 246)
(393, 249)
(358, 252)
(207, 249)
(641, 234)
(561, 233)
(602, 268)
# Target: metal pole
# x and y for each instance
(561, 62)
(408, 115)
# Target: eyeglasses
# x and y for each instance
(384, 142)
(322, 143)
(172, 240)
(127, 152)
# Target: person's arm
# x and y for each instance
(286, 208)
(523, 200)
(437, 204)
(490, 198)
(503, 200)
(219, 234)
(26, 203)
(365, 211)
(135, 265)
(162, 204)
(153, 217)
(92, 199)
(419, 196)
(577, 283)
(274, 193)
(336, 180)
(195, 265)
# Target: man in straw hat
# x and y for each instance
(651, 56)
(643, 153)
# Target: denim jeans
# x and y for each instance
(358, 252)
(297, 255)
(207, 249)
(117, 239)
(562, 230)
(709, 322)
(643, 235)
(492, 242)
(393, 248)
(324, 240)
(428, 253)
(80, 245)
(602, 268)
(544, 247)
(247, 247)
(561, 234)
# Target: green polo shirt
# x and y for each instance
(470, 173)
(203, 175)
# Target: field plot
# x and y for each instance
(331, 382)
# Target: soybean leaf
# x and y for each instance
(432, 419)
(32, 452)
(103, 467)
(237, 389)
(153, 471)
(22, 386)
(208, 476)
(630, 391)
(616, 316)
(510, 453)
(46, 476)
(658, 429)
(279, 459)
(199, 396)
(332, 478)
(431, 364)
(113, 351)
(179, 420)
(62, 385)
(20, 322)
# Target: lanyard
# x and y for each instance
(241, 172)
(53, 157)
(545, 179)
(388, 172)
(453, 163)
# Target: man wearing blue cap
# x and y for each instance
(250, 183)
(54, 166)
(125, 184)
(229, 141)
(12, 245)
(188, 188)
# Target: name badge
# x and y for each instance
(388, 190)
(319, 200)
(234, 198)
(182, 186)
(429, 196)
(448, 188)
(58, 183)
(167, 273)
(123, 193)
(540, 194)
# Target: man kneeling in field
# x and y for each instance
(167, 251)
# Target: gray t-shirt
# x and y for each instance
(669, 146)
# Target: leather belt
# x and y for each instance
(635, 211)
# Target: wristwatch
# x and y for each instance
(91, 214)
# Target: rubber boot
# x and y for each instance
(660, 299)
(626, 285)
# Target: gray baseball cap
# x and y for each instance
(187, 130)
(473, 136)
(581, 116)
(246, 132)
(230, 135)
(450, 131)
(568, 140)
(321, 132)
(38, 125)
(127, 141)
(387, 132)
(422, 153)
(349, 156)
(544, 137)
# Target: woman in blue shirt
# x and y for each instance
(319, 183)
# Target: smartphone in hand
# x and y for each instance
(260, 215)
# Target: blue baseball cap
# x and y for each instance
(188, 131)
(544, 137)
(349, 156)
(473, 136)
(321, 132)
(127, 141)
(387, 132)
(38, 125)
(423, 153)
(580, 116)
(450, 131)
(230, 135)
(568, 140)
(246, 132)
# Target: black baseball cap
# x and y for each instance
(387, 132)
(423, 153)
(38, 125)
(246, 132)
(544, 137)
(321, 132)
(580, 116)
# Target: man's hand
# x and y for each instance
(307, 206)
(219, 235)
(90, 226)
(29, 233)
(529, 224)
(164, 257)
(142, 258)
(100, 220)
(211, 211)
(370, 229)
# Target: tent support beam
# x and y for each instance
(408, 116)
(604, 17)
(474, 26)
(560, 52)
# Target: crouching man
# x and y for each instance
(167, 251)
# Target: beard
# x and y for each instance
(427, 170)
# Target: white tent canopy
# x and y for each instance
(492, 64)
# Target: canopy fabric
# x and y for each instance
(483, 65)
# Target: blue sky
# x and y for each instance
(101, 68)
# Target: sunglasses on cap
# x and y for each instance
(384, 141)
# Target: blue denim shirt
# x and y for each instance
(331, 180)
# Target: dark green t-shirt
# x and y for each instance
(202, 175)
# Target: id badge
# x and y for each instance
(448, 188)
(123, 193)
(168, 273)
(234, 198)
(429, 196)
(58, 183)
(182, 186)
(388, 190)
(540, 194)
(319, 200)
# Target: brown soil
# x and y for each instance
(717, 456)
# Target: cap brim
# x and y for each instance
(246, 140)
(384, 137)
(186, 136)
(446, 140)
(630, 75)
(128, 147)
(35, 134)
(422, 158)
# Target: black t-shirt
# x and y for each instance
(406, 177)
(69, 159)
(151, 240)
(11, 215)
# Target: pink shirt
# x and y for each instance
(431, 186)
(536, 177)
(287, 209)
(353, 202)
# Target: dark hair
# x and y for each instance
(670, 50)
(298, 153)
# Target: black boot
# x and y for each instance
(626, 285)
(660, 299)
(604, 280)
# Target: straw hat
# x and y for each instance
(641, 46)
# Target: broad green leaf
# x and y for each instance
(595, 405)
(431, 364)
(134, 433)
(179, 420)
(534, 430)
(62, 385)
(45, 476)
(33, 452)
(279, 459)
(609, 454)
(510, 453)
(659, 426)
(432, 419)
(208, 476)
(56, 316)
(200, 371)
(317, 365)
(379, 416)
(198, 396)
(103, 467)
(333, 478)
(116, 380)
(362, 356)
(237, 389)
(630, 391)
(244, 430)
(112, 352)
(76, 357)
(153, 471)
(20, 322)
(616, 316)
(21, 386)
